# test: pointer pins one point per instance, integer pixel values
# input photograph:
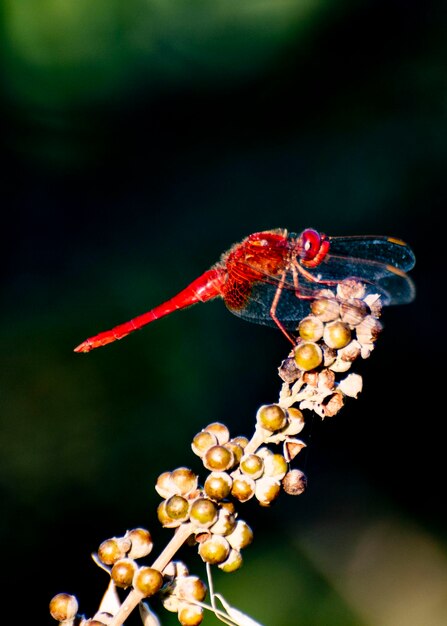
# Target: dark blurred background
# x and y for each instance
(140, 139)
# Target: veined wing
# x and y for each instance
(387, 250)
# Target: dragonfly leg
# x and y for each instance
(275, 306)
(310, 277)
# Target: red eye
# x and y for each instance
(310, 244)
(312, 247)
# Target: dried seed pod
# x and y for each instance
(218, 458)
(351, 385)
(214, 550)
(292, 447)
(271, 417)
(202, 442)
(218, 485)
(326, 379)
(332, 404)
(296, 421)
(337, 335)
(308, 355)
(237, 451)
(350, 352)
(177, 508)
(63, 607)
(311, 328)
(226, 521)
(267, 490)
(294, 482)
(240, 440)
(141, 543)
(353, 311)
(326, 309)
(220, 431)
(241, 536)
(233, 562)
(275, 466)
(163, 486)
(123, 572)
(113, 549)
(368, 330)
(289, 371)
(184, 480)
(191, 588)
(147, 581)
(163, 517)
(252, 465)
(350, 288)
(243, 488)
(203, 512)
(189, 614)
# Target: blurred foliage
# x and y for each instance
(139, 140)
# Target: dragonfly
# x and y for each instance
(272, 277)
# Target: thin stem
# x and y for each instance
(256, 441)
(134, 597)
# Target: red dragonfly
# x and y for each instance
(271, 277)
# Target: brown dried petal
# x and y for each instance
(350, 288)
(368, 330)
(288, 371)
(332, 404)
(350, 352)
(351, 385)
(353, 311)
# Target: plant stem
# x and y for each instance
(134, 597)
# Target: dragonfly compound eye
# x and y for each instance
(310, 244)
(312, 247)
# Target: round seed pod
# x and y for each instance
(353, 311)
(237, 451)
(141, 541)
(220, 431)
(276, 466)
(308, 355)
(177, 508)
(241, 536)
(191, 588)
(311, 328)
(252, 465)
(326, 309)
(203, 512)
(123, 572)
(184, 480)
(267, 490)
(218, 458)
(63, 607)
(226, 521)
(271, 417)
(337, 335)
(113, 549)
(148, 581)
(218, 485)
(233, 562)
(189, 614)
(243, 488)
(202, 442)
(214, 550)
(294, 482)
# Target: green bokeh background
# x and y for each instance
(140, 139)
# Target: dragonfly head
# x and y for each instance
(311, 247)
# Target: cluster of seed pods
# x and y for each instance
(342, 327)
(239, 469)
